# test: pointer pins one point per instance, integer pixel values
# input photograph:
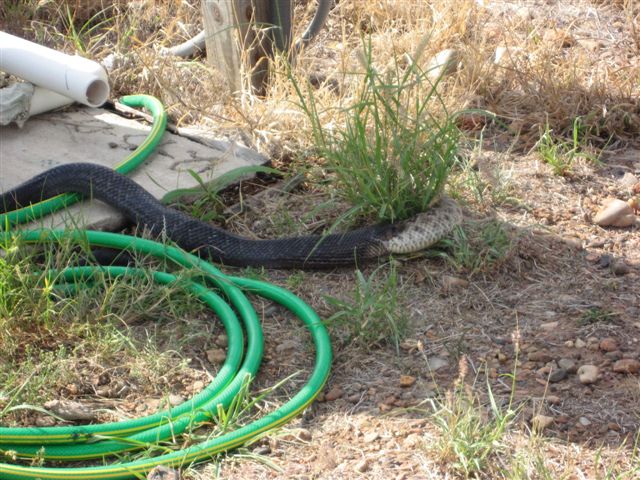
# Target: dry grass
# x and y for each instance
(556, 63)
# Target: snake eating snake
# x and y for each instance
(216, 244)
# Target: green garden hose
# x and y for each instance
(70, 443)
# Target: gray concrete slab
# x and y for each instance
(99, 136)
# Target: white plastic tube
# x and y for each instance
(78, 78)
(44, 100)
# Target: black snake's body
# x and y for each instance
(312, 252)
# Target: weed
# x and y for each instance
(470, 433)
(561, 154)
(477, 247)
(595, 315)
(374, 315)
(52, 337)
(392, 156)
(208, 205)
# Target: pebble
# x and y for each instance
(620, 267)
(584, 421)
(608, 344)
(354, 398)
(175, 400)
(567, 364)
(451, 283)
(216, 355)
(333, 394)
(557, 375)
(443, 63)
(553, 400)
(539, 356)
(628, 180)
(407, 381)
(304, 435)
(371, 437)
(540, 422)
(614, 356)
(363, 465)
(437, 363)
(163, 473)
(549, 326)
(588, 374)
(615, 213)
(197, 386)
(286, 346)
(579, 343)
(626, 365)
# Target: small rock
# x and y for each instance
(584, 421)
(443, 63)
(560, 38)
(69, 410)
(286, 346)
(553, 400)
(163, 473)
(549, 326)
(588, 374)
(412, 441)
(197, 386)
(216, 356)
(407, 381)
(363, 465)
(539, 356)
(628, 180)
(354, 398)
(304, 435)
(620, 267)
(557, 375)
(451, 283)
(45, 422)
(371, 437)
(222, 340)
(567, 364)
(579, 343)
(333, 394)
(608, 344)
(175, 400)
(540, 422)
(626, 365)
(615, 213)
(614, 356)
(437, 363)
(525, 13)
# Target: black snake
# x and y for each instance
(310, 252)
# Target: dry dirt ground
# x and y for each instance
(559, 294)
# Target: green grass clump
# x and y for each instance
(395, 144)
(374, 314)
(478, 247)
(561, 154)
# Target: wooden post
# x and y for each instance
(237, 41)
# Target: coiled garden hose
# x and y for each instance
(71, 443)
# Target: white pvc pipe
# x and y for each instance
(44, 100)
(81, 79)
